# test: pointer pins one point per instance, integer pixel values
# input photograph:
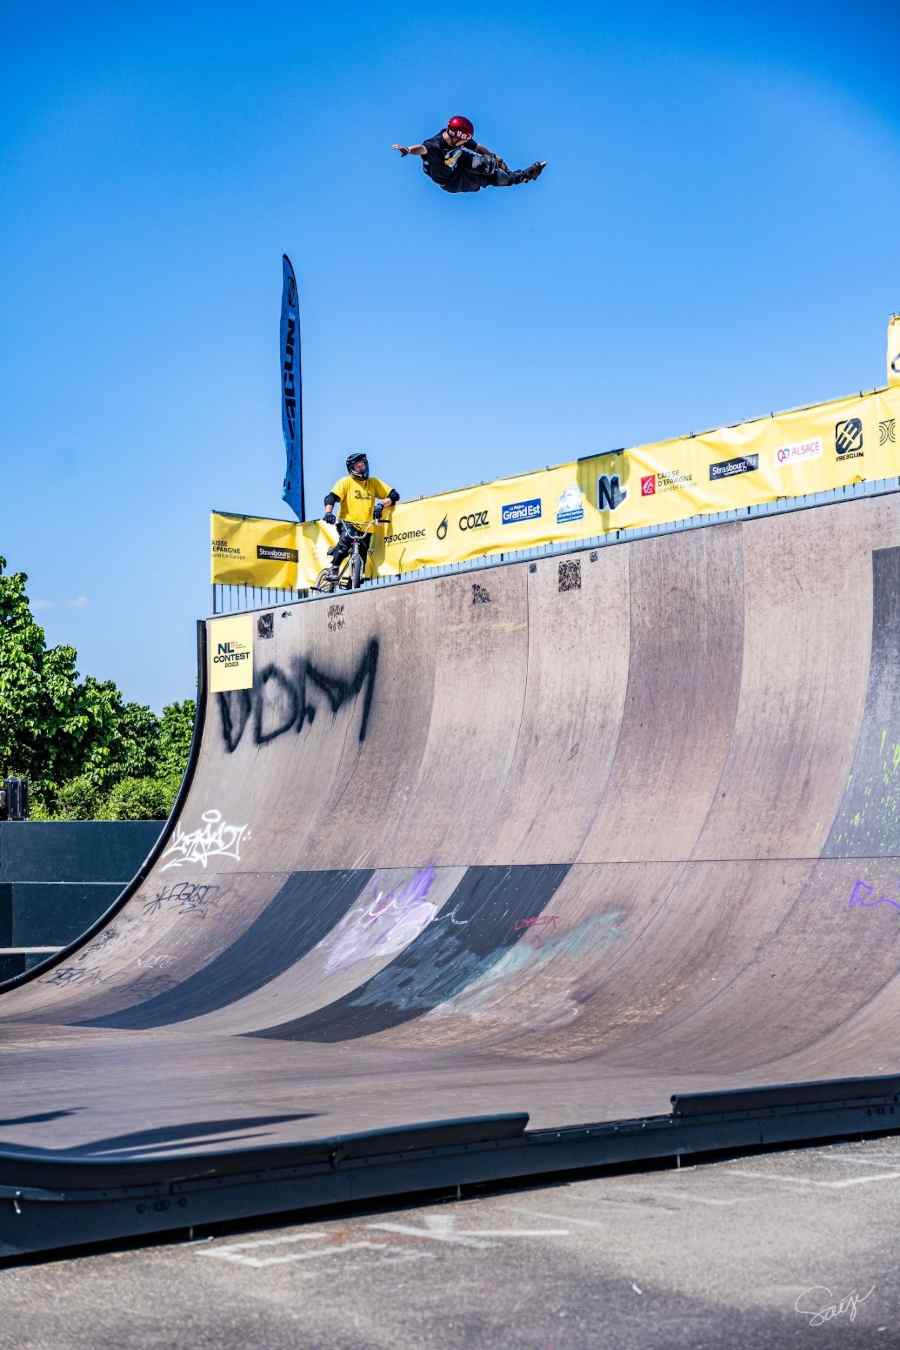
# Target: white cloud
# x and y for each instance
(38, 605)
(80, 602)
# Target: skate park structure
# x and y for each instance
(584, 859)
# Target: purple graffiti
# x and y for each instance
(383, 926)
(858, 897)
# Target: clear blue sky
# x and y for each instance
(715, 237)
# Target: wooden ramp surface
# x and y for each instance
(561, 838)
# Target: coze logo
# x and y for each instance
(476, 521)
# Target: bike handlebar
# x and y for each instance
(358, 529)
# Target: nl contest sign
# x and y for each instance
(230, 644)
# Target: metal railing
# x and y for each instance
(228, 598)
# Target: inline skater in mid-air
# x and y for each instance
(362, 499)
(457, 163)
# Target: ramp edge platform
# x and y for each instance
(48, 1202)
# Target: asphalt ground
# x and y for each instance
(797, 1248)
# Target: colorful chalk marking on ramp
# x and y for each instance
(592, 832)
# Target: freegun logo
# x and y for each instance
(230, 654)
(848, 438)
(222, 549)
(266, 554)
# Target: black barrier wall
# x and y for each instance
(58, 877)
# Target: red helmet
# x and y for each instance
(462, 125)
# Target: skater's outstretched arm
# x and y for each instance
(411, 150)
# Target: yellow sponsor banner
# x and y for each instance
(893, 350)
(231, 653)
(253, 551)
(792, 454)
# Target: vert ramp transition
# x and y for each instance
(575, 840)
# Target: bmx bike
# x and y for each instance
(348, 575)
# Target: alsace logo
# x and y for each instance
(666, 480)
(515, 512)
(476, 520)
(404, 537)
(266, 554)
(797, 453)
(727, 468)
(610, 495)
(231, 654)
(570, 505)
(887, 431)
(441, 530)
(848, 438)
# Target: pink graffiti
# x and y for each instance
(540, 925)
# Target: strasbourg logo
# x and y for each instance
(727, 468)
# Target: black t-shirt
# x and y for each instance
(444, 162)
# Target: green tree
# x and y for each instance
(138, 799)
(79, 799)
(175, 730)
(121, 739)
(76, 740)
(39, 720)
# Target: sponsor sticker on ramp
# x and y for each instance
(231, 653)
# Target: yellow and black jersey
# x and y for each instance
(358, 499)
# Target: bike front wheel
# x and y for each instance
(356, 571)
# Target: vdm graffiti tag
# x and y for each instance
(282, 701)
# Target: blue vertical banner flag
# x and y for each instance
(292, 392)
